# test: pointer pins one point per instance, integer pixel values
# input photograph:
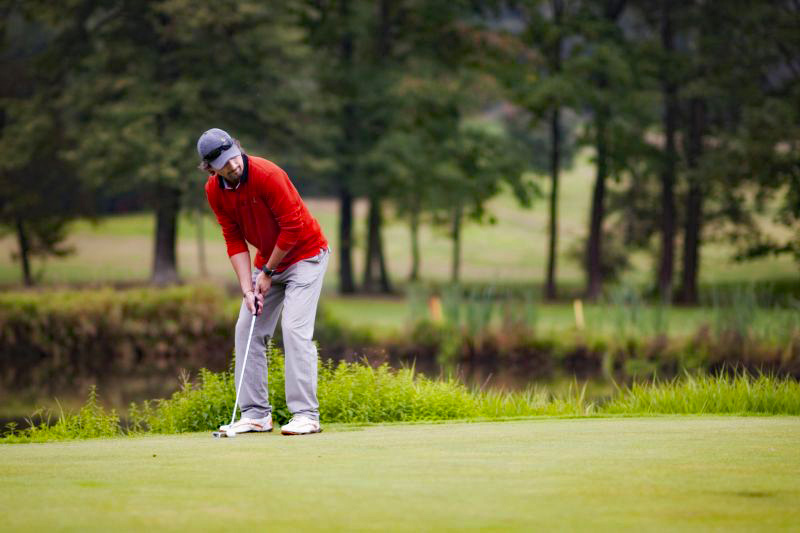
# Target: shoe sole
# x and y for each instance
(251, 431)
(306, 433)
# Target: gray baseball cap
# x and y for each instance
(216, 147)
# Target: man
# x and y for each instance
(255, 202)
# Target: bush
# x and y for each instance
(620, 356)
(720, 394)
(50, 344)
(91, 421)
(359, 393)
(51, 340)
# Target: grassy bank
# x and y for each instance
(138, 340)
(673, 473)
(385, 316)
(360, 393)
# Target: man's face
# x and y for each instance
(233, 169)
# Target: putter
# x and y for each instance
(230, 432)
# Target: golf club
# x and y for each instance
(230, 432)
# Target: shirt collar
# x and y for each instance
(224, 184)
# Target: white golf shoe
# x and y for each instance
(301, 425)
(247, 425)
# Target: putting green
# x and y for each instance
(603, 473)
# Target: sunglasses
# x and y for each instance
(215, 153)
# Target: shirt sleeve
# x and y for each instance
(286, 206)
(234, 240)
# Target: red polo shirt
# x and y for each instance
(266, 211)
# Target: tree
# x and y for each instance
(752, 119)
(366, 49)
(608, 74)
(39, 192)
(412, 156)
(727, 74)
(480, 162)
(694, 135)
(162, 72)
(334, 27)
(532, 61)
(670, 91)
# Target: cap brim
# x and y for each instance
(224, 157)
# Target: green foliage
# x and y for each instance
(335, 336)
(69, 336)
(720, 394)
(192, 408)
(355, 392)
(39, 192)
(495, 329)
(360, 393)
(535, 402)
(50, 340)
(208, 403)
(614, 258)
(91, 421)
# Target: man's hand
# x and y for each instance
(263, 283)
(250, 299)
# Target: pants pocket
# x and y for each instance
(317, 258)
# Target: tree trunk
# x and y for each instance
(165, 269)
(694, 204)
(550, 291)
(555, 166)
(455, 274)
(594, 249)
(612, 9)
(385, 284)
(376, 278)
(670, 90)
(346, 167)
(375, 265)
(414, 222)
(370, 262)
(594, 246)
(346, 280)
(346, 150)
(24, 252)
(201, 244)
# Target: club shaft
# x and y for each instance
(244, 365)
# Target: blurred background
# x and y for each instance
(514, 192)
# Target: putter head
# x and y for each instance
(218, 434)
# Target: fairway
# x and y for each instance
(685, 473)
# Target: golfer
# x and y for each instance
(255, 202)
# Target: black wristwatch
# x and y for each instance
(268, 271)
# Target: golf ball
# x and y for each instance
(230, 433)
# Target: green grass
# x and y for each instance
(360, 393)
(392, 315)
(381, 315)
(693, 395)
(667, 473)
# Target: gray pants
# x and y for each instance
(295, 290)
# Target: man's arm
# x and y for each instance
(264, 282)
(238, 252)
(241, 265)
(276, 257)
